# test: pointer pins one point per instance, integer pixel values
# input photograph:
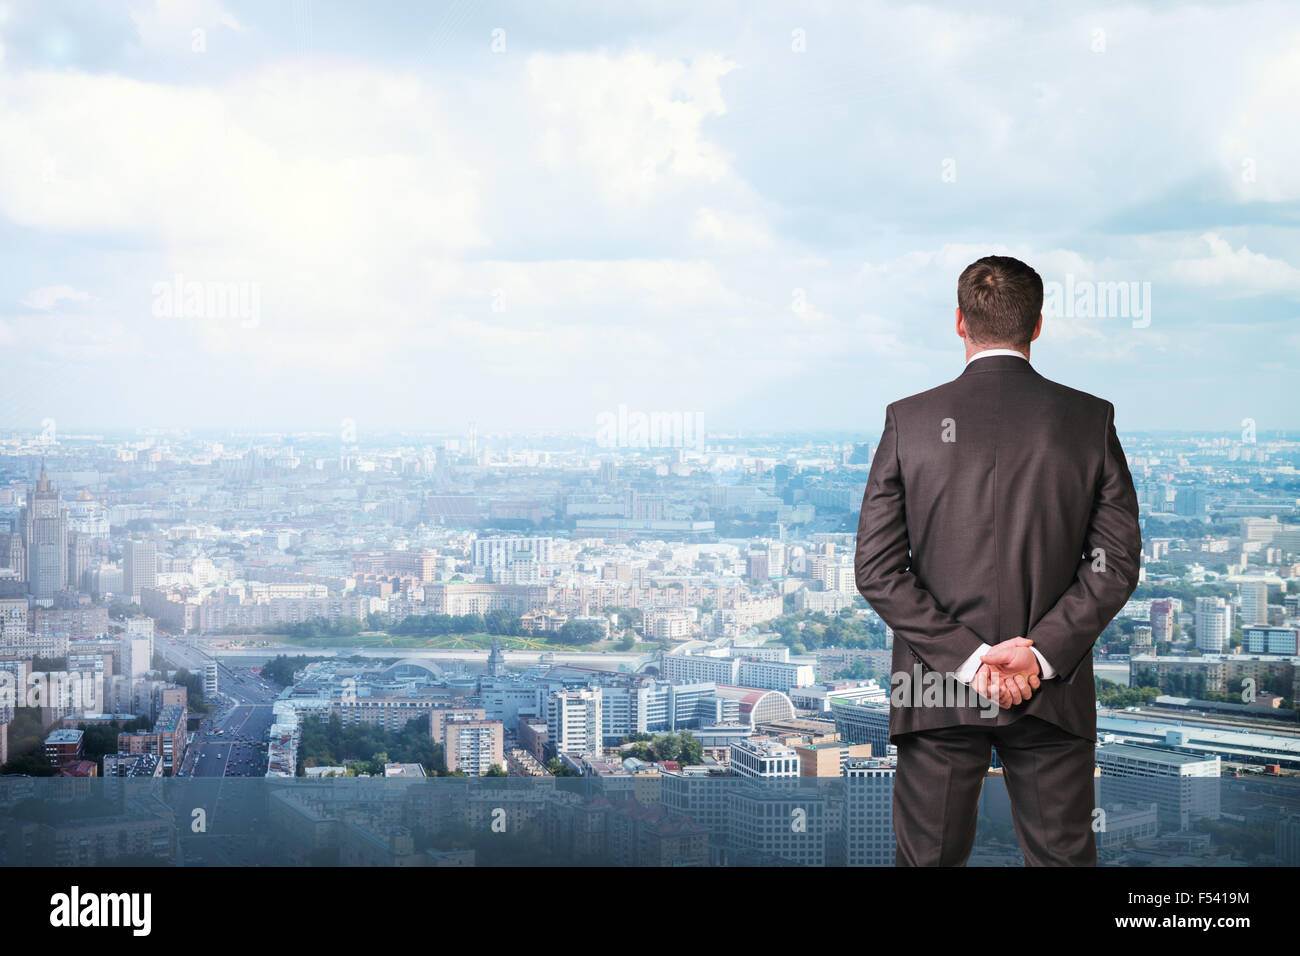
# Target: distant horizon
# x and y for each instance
(87, 433)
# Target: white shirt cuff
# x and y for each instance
(966, 673)
(1045, 667)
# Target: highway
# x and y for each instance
(231, 741)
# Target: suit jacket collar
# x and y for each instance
(998, 363)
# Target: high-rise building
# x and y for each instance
(868, 823)
(1191, 502)
(574, 722)
(1162, 621)
(769, 823)
(79, 557)
(139, 567)
(473, 746)
(44, 524)
(1254, 602)
(1213, 624)
(210, 680)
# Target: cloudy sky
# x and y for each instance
(524, 215)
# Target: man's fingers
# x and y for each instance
(1013, 689)
(1003, 691)
(1023, 685)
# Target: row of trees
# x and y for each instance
(1112, 694)
(683, 748)
(501, 623)
(819, 630)
(365, 749)
(318, 627)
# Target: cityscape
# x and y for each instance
(639, 651)
(458, 435)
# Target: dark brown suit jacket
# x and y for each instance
(999, 505)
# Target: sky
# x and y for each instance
(418, 215)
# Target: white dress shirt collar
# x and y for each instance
(987, 352)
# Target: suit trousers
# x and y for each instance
(1049, 777)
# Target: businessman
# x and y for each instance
(998, 537)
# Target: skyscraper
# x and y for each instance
(139, 566)
(1213, 624)
(79, 554)
(44, 524)
(1254, 602)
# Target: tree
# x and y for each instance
(683, 748)
(581, 632)
(281, 669)
(495, 770)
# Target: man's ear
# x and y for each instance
(961, 323)
(1038, 327)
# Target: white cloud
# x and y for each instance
(734, 229)
(633, 122)
(47, 297)
(309, 169)
(632, 215)
(1238, 271)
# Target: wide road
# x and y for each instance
(231, 741)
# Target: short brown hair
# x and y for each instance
(1001, 299)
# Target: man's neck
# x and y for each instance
(974, 350)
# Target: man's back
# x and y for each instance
(999, 505)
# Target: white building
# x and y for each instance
(1213, 624)
(501, 552)
(574, 723)
(1254, 602)
(763, 759)
(210, 680)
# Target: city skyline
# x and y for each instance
(282, 218)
